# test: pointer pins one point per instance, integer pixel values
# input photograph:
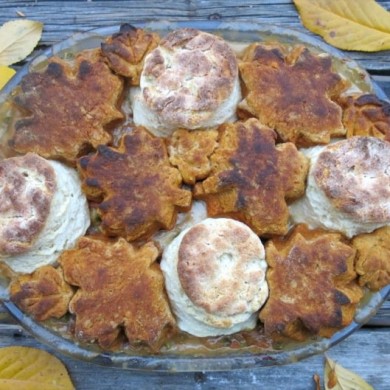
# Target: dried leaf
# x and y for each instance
(18, 39)
(30, 369)
(5, 75)
(337, 377)
(350, 25)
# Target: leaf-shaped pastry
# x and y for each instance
(337, 377)
(350, 25)
(18, 39)
(5, 75)
(30, 369)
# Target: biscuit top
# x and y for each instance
(220, 266)
(188, 77)
(27, 185)
(354, 175)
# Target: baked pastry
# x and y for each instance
(189, 81)
(251, 177)
(366, 115)
(190, 152)
(312, 282)
(373, 258)
(125, 51)
(43, 294)
(42, 211)
(136, 189)
(293, 92)
(119, 287)
(91, 94)
(348, 187)
(215, 277)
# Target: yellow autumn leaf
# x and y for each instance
(18, 39)
(5, 75)
(337, 377)
(347, 24)
(30, 369)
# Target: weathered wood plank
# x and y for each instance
(63, 18)
(366, 352)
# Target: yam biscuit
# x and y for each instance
(292, 91)
(67, 107)
(373, 258)
(137, 190)
(190, 152)
(248, 180)
(43, 294)
(348, 187)
(189, 81)
(366, 115)
(119, 287)
(126, 51)
(312, 282)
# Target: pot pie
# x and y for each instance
(209, 166)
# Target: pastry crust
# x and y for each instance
(373, 258)
(91, 94)
(126, 51)
(248, 178)
(43, 294)
(313, 285)
(119, 286)
(137, 191)
(292, 92)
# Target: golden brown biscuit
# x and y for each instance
(137, 190)
(27, 186)
(67, 107)
(43, 294)
(126, 51)
(190, 152)
(120, 287)
(292, 92)
(313, 287)
(248, 178)
(373, 258)
(367, 115)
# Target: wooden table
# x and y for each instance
(367, 351)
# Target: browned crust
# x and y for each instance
(354, 176)
(44, 294)
(366, 115)
(91, 94)
(137, 190)
(126, 51)
(247, 182)
(119, 287)
(190, 152)
(292, 91)
(24, 207)
(202, 256)
(373, 258)
(313, 286)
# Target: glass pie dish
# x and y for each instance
(53, 332)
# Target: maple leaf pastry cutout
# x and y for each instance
(120, 286)
(373, 258)
(137, 190)
(366, 115)
(43, 294)
(251, 178)
(67, 107)
(125, 51)
(292, 92)
(313, 285)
